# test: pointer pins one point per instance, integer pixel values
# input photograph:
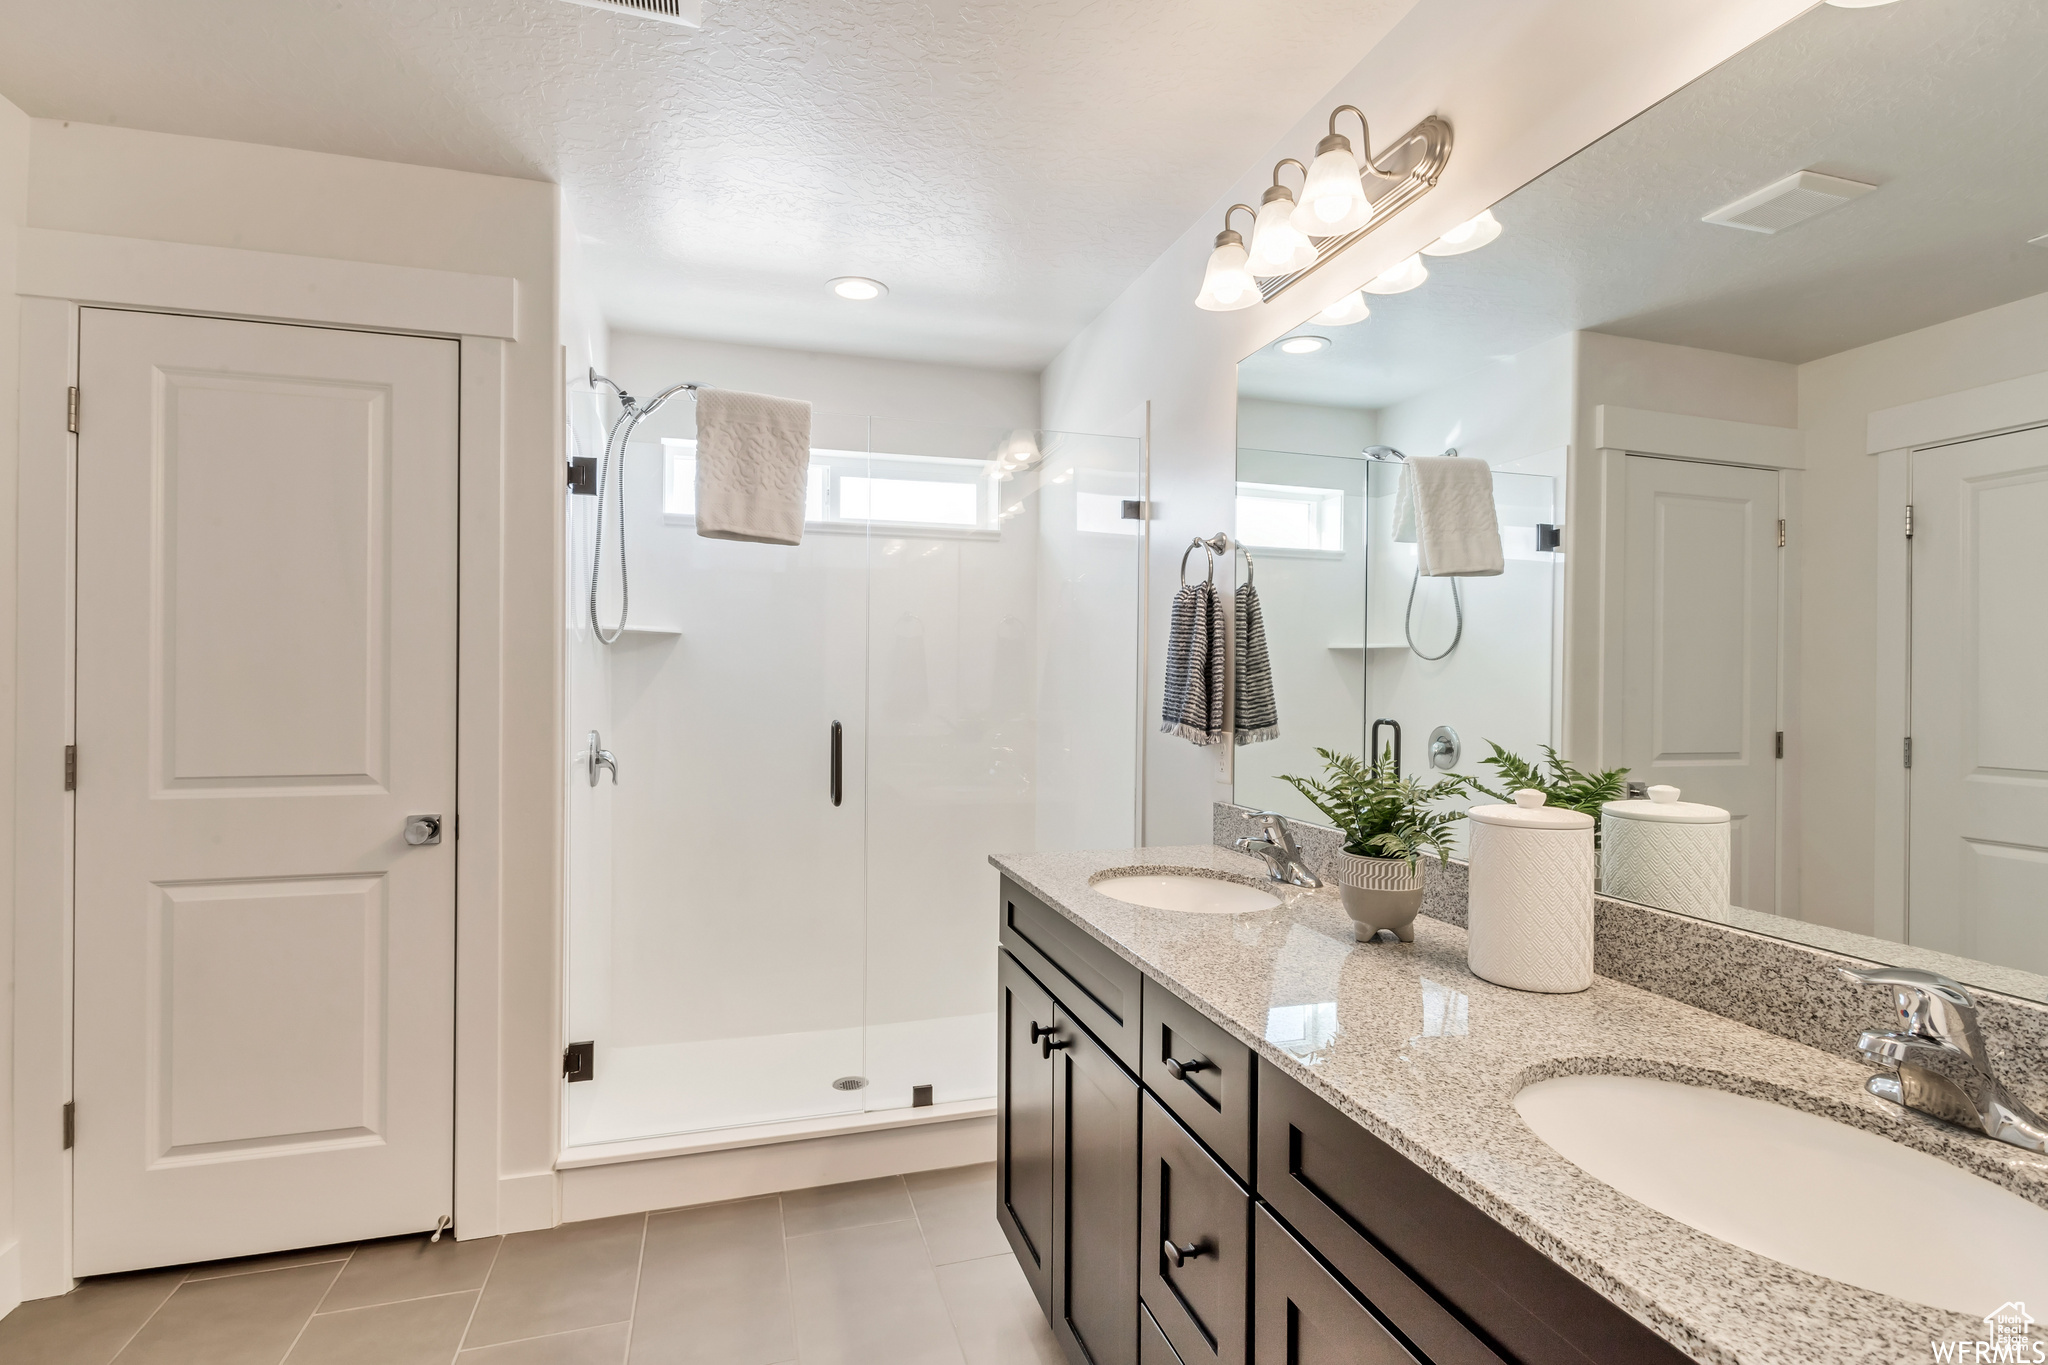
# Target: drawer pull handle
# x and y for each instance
(1180, 1256)
(1181, 1070)
(1048, 1043)
(1039, 1030)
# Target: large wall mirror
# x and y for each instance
(1711, 362)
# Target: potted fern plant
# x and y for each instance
(1564, 786)
(1387, 823)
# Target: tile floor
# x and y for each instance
(907, 1270)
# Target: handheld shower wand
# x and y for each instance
(631, 413)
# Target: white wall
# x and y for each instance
(1838, 555)
(14, 151)
(1524, 84)
(126, 183)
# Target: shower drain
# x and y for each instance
(850, 1083)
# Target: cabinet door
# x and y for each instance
(1305, 1317)
(1194, 1243)
(1024, 1123)
(1095, 1205)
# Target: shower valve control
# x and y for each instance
(423, 829)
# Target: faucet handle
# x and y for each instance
(1921, 986)
(1275, 826)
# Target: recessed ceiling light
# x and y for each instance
(1304, 345)
(1398, 279)
(1469, 235)
(858, 288)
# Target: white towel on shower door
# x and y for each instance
(753, 464)
(1445, 506)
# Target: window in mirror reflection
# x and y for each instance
(1274, 516)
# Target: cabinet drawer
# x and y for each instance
(1190, 1211)
(1091, 983)
(1201, 1073)
(1305, 1316)
(1458, 1285)
(1153, 1348)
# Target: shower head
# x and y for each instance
(1383, 453)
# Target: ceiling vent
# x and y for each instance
(1790, 201)
(688, 13)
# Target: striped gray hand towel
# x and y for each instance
(1195, 666)
(1257, 714)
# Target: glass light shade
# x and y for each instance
(1345, 311)
(1227, 283)
(1469, 235)
(1398, 279)
(1333, 198)
(1278, 247)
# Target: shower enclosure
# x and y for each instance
(781, 910)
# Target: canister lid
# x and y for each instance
(1665, 806)
(1529, 812)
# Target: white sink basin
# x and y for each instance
(1800, 1189)
(1191, 893)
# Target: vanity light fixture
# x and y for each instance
(1398, 279)
(1278, 246)
(1227, 283)
(1469, 235)
(858, 288)
(1304, 345)
(1345, 311)
(1333, 200)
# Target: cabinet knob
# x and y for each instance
(1179, 1255)
(1048, 1043)
(1039, 1030)
(1181, 1070)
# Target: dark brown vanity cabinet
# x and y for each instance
(1194, 1244)
(1024, 1123)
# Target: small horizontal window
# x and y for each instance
(855, 490)
(1290, 517)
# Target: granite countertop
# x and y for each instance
(1406, 1041)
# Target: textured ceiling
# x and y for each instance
(1005, 166)
(1942, 103)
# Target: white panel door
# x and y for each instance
(1978, 884)
(1699, 703)
(266, 693)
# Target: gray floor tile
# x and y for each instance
(249, 1265)
(714, 1289)
(410, 1268)
(577, 1275)
(240, 1320)
(88, 1325)
(413, 1332)
(995, 1314)
(851, 1205)
(590, 1346)
(868, 1296)
(957, 1210)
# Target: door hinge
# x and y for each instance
(1781, 533)
(583, 475)
(71, 409)
(1137, 509)
(71, 767)
(1781, 744)
(70, 1123)
(1909, 521)
(1909, 751)
(579, 1062)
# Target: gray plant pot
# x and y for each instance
(1378, 893)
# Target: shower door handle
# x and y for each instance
(838, 762)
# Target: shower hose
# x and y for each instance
(1407, 619)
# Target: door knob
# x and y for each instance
(1180, 1256)
(423, 829)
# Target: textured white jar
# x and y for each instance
(1666, 852)
(1531, 909)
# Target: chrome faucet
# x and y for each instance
(1283, 859)
(1943, 1067)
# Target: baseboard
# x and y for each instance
(526, 1203)
(10, 1277)
(742, 1172)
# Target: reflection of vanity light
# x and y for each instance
(1398, 279)
(1304, 345)
(1345, 311)
(1469, 235)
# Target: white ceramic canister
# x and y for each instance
(1531, 910)
(1666, 852)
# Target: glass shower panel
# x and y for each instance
(729, 992)
(1002, 713)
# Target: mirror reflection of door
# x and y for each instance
(1978, 865)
